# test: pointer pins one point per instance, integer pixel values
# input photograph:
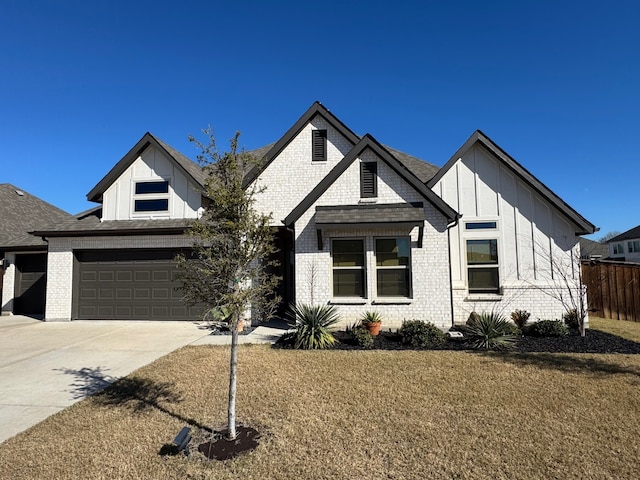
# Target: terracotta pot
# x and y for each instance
(373, 327)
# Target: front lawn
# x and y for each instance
(357, 414)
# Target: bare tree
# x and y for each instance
(232, 245)
(608, 236)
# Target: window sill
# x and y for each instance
(483, 297)
(348, 301)
(392, 301)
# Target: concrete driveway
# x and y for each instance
(45, 366)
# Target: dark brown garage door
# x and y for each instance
(128, 285)
(30, 284)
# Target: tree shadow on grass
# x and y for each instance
(135, 393)
(569, 363)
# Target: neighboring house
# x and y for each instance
(626, 246)
(359, 225)
(23, 256)
(592, 250)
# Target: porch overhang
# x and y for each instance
(357, 217)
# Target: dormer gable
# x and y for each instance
(152, 181)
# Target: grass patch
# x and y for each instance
(356, 414)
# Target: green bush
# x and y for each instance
(362, 337)
(520, 318)
(548, 328)
(419, 334)
(312, 325)
(490, 331)
(571, 319)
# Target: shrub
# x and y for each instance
(362, 337)
(548, 328)
(490, 331)
(419, 334)
(520, 318)
(312, 325)
(571, 319)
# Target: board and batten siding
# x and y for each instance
(152, 164)
(531, 235)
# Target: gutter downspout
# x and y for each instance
(449, 227)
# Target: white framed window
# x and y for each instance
(483, 267)
(151, 196)
(633, 246)
(618, 248)
(393, 267)
(348, 259)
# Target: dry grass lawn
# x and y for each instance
(357, 414)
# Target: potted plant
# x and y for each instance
(372, 321)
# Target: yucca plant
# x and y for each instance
(370, 317)
(312, 325)
(489, 331)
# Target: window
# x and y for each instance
(348, 268)
(319, 145)
(633, 246)
(618, 248)
(482, 266)
(368, 179)
(479, 225)
(151, 196)
(393, 267)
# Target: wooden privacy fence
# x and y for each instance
(613, 289)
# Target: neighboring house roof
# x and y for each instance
(189, 168)
(369, 142)
(316, 109)
(591, 249)
(584, 226)
(88, 223)
(21, 212)
(628, 235)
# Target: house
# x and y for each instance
(23, 256)
(626, 246)
(359, 225)
(592, 250)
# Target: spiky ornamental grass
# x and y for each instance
(312, 324)
(490, 331)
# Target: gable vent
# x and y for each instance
(319, 146)
(368, 179)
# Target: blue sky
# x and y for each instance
(555, 84)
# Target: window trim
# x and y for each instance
(319, 145)
(633, 246)
(469, 267)
(362, 268)
(618, 248)
(143, 197)
(408, 268)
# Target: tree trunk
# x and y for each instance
(233, 373)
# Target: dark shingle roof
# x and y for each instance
(88, 223)
(421, 169)
(369, 214)
(628, 235)
(20, 214)
(591, 248)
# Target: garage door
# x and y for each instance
(30, 286)
(128, 285)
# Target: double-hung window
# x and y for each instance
(393, 267)
(482, 266)
(151, 196)
(348, 265)
(618, 248)
(633, 246)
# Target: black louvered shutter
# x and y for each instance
(368, 179)
(319, 146)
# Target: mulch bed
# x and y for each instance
(594, 341)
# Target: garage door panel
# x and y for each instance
(133, 285)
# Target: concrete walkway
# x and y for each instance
(47, 366)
